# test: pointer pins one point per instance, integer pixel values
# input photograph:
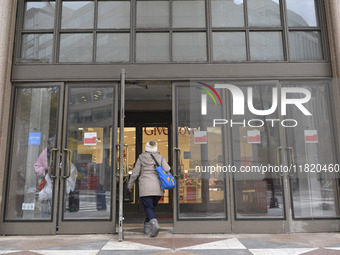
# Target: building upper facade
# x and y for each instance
(166, 31)
(127, 33)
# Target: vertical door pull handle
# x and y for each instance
(179, 166)
(277, 159)
(292, 161)
(52, 163)
(67, 169)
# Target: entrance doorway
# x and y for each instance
(136, 135)
(147, 117)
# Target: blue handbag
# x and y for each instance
(166, 178)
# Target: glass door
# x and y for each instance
(31, 190)
(258, 201)
(314, 180)
(87, 160)
(63, 180)
(200, 198)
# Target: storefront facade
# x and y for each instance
(241, 96)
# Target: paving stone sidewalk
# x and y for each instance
(166, 243)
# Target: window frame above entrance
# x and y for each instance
(127, 38)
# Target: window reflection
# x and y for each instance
(305, 46)
(152, 47)
(227, 13)
(189, 47)
(152, 14)
(39, 15)
(188, 14)
(264, 13)
(76, 48)
(301, 13)
(113, 14)
(229, 46)
(266, 46)
(77, 14)
(113, 47)
(37, 48)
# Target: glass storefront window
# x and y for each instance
(301, 13)
(114, 14)
(264, 13)
(266, 46)
(39, 15)
(229, 46)
(227, 13)
(305, 46)
(113, 47)
(76, 47)
(37, 48)
(152, 14)
(152, 47)
(188, 14)
(77, 14)
(191, 47)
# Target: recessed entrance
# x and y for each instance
(147, 117)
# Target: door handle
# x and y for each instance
(292, 163)
(179, 166)
(117, 151)
(277, 159)
(126, 172)
(67, 169)
(52, 163)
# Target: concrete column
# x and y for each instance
(7, 21)
(333, 24)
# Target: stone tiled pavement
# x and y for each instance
(166, 243)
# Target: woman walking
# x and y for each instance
(150, 190)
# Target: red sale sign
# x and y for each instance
(90, 138)
(311, 136)
(254, 136)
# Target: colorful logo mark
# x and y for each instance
(204, 97)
